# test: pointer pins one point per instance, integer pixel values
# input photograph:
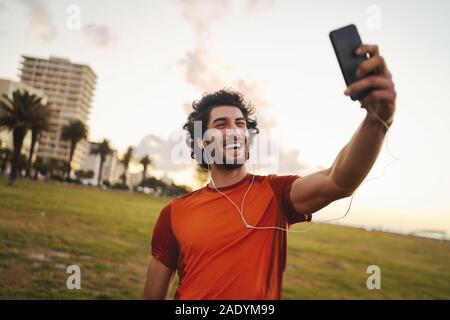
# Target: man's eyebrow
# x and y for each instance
(220, 119)
(226, 119)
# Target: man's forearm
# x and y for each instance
(355, 160)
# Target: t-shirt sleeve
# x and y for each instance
(281, 186)
(164, 244)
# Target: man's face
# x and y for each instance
(227, 136)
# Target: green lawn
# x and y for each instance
(45, 227)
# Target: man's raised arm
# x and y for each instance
(315, 191)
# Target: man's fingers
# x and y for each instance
(375, 63)
(372, 82)
(371, 49)
(374, 53)
(388, 73)
(379, 96)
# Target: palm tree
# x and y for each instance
(103, 150)
(39, 123)
(16, 114)
(74, 132)
(22, 165)
(126, 162)
(145, 161)
(5, 154)
(40, 166)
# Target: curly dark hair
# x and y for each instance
(202, 109)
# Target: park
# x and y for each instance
(47, 226)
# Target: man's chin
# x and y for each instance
(231, 166)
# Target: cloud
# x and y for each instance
(40, 19)
(207, 75)
(161, 152)
(203, 13)
(99, 35)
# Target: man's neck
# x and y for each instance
(223, 178)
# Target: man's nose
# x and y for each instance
(232, 126)
(234, 133)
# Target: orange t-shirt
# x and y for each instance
(203, 237)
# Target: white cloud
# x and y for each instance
(208, 75)
(203, 13)
(160, 151)
(40, 19)
(99, 35)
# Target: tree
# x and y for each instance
(40, 166)
(39, 123)
(5, 154)
(145, 161)
(56, 168)
(74, 132)
(103, 150)
(16, 115)
(81, 174)
(22, 164)
(126, 162)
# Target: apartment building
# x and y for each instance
(70, 89)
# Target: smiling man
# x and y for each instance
(221, 239)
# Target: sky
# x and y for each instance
(153, 58)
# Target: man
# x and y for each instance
(215, 237)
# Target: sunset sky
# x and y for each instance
(153, 58)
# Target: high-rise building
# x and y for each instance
(70, 89)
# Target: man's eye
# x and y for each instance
(241, 124)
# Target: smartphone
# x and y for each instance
(345, 42)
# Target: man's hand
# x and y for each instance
(382, 97)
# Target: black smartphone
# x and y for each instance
(345, 42)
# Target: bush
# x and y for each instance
(57, 177)
(120, 186)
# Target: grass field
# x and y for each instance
(45, 227)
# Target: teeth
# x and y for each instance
(233, 145)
